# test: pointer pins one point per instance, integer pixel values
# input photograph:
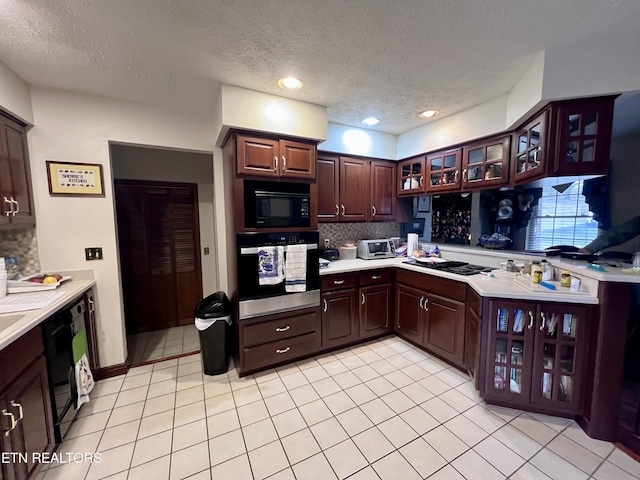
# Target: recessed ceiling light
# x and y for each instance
(371, 121)
(290, 83)
(429, 113)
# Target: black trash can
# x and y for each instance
(213, 321)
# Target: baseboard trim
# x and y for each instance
(111, 371)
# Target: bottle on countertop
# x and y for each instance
(565, 279)
(547, 270)
(536, 272)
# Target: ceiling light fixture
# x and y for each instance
(290, 83)
(429, 113)
(371, 121)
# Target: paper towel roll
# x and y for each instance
(412, 243)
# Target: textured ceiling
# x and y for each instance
(389, 59)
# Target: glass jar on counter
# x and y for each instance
(547, 270)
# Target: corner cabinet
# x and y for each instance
(16, 198)
(485, 164)
(530, 148)
(270, 157)
(536, 355)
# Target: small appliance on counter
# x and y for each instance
(348, 251)
(331, 254)
(371, 249)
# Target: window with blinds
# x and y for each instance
(561, 219)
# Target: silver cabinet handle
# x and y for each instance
(338, 282)
(373, 210)
(276, 161)
(324, 302)
(17, 210)
(8, 213)
(284, 163)
(14, 404)
(426, 304)
(535, 157)
(92, 306)
(376, 277)
(530, 319)
(362, 298)
(13, 421)
(284, 350)
(337, 210)
(343, 209)
(421, 302)
(283, 329)
(464, 175)
(543, 321)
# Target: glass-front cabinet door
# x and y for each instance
(584, 137)
(530, 149)
(510, 351)
(486, 164)
(411, 176)
(443, 170)
(558, 360)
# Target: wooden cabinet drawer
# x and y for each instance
(20, 354)
(376, 277)
(281, 351)
(334, 282)
(273, 330)
(451, 289)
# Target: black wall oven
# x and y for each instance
(256, 299)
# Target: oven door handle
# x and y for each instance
(255, 250)
(60, 329)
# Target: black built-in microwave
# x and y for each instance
(269, 205)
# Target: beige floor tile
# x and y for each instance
(417, 393)
(422, 457)
(267, 460)
(398, 401)
(125, 414)
(335, 367)
(253, 412)
(112, 461)
(157, 470)
(314, 468)
(439, 410)
(68, 471)
(377, 411)
(434, 385)
(457, 400)
(189, 413)
(398, 379)
(326, 387)
(517, 441)
(354, 421)
(383, 367)
(222, 423)
(98, 404)
(108, 386)
(609, 471)
(151, 448)
(190, 461)
(288, 422)
(189, 381)
(529, 472)
(154, 424)
(345, 458)
(447, 473)
(580, 457)
(127, 397)
(339, 402)
(599, 447)
(294, 380)
(380, 386)
(86, 443)
(533, 428)
(159, 404)
(136, 381)
(270, 388)
(235, 469)
(419, 420)
(328, 433)
(315, 373)
(346, 379)
(92, 423)
(266, 375)
(485, 420)
(259, 434)
(300, 446)
(555, 423)
(472, 465)
(189, 396)
(279, 403)
(466, 430)
(218, 387)
(116, 436)
(219, 403)
(452, 377)
(225, 447)
(247, 395)
(624, 461)
(165, 364)
(188, 435)
(556, 467)
(161, 388)
(360, 394)
(169, 373)
(445, 443)
(399, 361)
(397, 431)
(393, 467)
(373, 444)
(498, 455)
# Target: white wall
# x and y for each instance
(15, 95)
(359, 141)
(484, 119)
(136, 163)
(78, 128)
(262, 112)
(526, 95)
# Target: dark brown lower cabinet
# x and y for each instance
(339, 317)
(444, 328)
(410, 313)
(472, 346)
(375, 310)
(535, 355)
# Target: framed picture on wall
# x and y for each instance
(424, 203)
(71, 179)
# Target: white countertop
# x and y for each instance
(82, 280)
(500, 286)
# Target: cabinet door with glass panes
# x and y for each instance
(561, 339)
(486, 164)
(443, 170)
(584, 136)
(510, 351)
(411, 176)
(530, 148)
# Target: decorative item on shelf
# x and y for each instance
(424, 203)
(496, 241)
(68, 179)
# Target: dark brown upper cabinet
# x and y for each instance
(485, 164)
(443, 171)
(411, 176)
(268, 157)
(354, 189)
(383, 191)
(16, 199)
(530, 150)
(328, 180)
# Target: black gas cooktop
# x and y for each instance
(459, 268)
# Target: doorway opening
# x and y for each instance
(164, 210)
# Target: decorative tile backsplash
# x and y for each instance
(339, 233)
(24, 245)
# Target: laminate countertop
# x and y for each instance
(14, 325)
(502, 285)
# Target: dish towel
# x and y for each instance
(295, 269)
(84, 377)
(270, 265)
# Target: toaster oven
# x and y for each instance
(371, 249)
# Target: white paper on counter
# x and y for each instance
(28, 301)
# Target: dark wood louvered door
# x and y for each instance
(159, 253)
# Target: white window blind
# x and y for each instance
(561, 219)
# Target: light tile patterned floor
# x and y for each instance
(158, 344)
(384, 410)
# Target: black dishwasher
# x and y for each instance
(58, 332)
